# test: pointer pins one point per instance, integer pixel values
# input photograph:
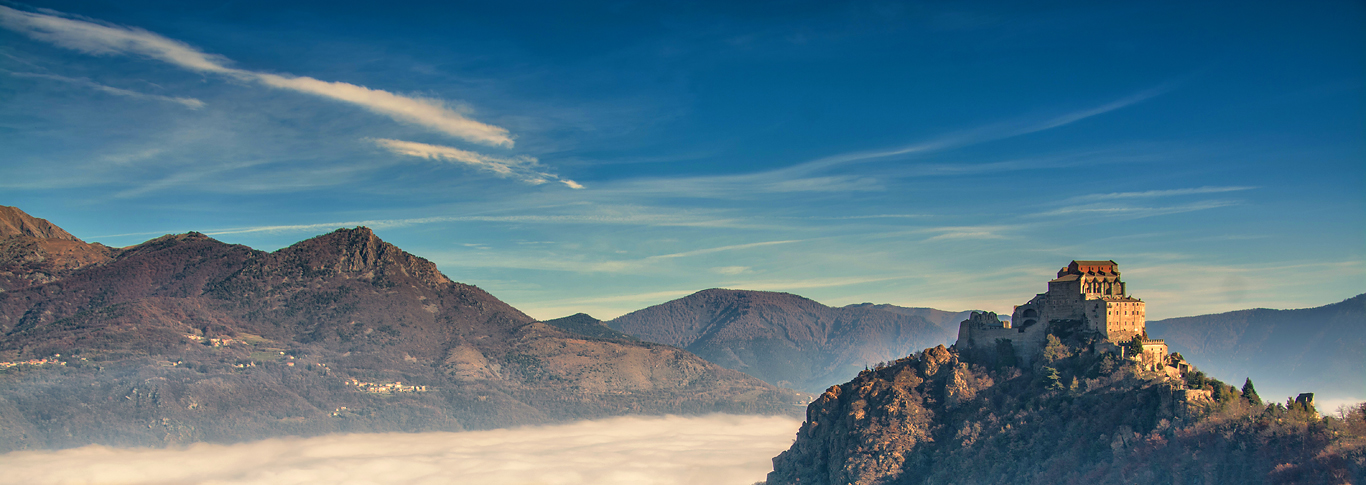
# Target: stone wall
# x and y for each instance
(981, 331)
(1124, 319)
(1064, 301)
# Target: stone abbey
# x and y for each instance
(1086, 294)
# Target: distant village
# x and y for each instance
(33, 362)
(381, 388)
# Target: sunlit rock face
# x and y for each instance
(1076, 415)
(35, 251)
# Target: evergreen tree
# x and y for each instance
(1250, 393)
(1136, 346)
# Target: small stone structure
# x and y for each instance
(1088, 294)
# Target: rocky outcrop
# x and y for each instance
(866, 431)
(1079, 417)
(34, 251)
(15, 222)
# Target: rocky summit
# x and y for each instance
(1077, 417)
(185, 338)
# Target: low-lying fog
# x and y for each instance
(718, 449)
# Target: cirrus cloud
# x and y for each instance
(523, 168)
(100, 38)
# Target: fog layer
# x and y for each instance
(718, 449)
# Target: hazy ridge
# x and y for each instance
(784, 339)
(1284, 351)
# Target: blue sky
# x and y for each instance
(604, 157)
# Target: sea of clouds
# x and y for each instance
(717, 449)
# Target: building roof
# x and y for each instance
(1068, 277)
(1096, 263)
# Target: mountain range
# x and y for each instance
(184, 338)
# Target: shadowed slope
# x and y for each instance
(586, 325)
(944, 319)
(781, 338)
(1284, 351)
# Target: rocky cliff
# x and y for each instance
(1079, 416)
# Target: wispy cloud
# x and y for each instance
(430, 113)
(799, 284)
(523, 168)
(966, 235)
(982, 134)
(86, 83)
(720, 249)
(1135, 212)
(874, 216)
(824, 174)
(960, 232)
(602, 217)
(645, 265)
(730, 270)
(100, 38)
(1161, 193)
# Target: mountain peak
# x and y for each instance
(16, 222)
(360, 251)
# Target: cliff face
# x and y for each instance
(184, 338)
(781, 338)
(1077, 417)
